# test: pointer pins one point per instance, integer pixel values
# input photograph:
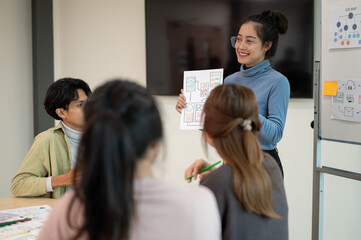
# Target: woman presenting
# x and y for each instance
(255, 43)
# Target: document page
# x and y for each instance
(27, 229)
(197, 86)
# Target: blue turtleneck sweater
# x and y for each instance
(272, 90)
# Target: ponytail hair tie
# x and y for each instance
(247, 125)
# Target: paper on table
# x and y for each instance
(8, 217)
(28, 229)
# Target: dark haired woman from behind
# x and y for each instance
(255, 43)
(249, 186)
(117, 196)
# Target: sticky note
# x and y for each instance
(330, 88)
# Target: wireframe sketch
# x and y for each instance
(191, 84)
(350, 85)
(346, 105)
(339, 98)
(350, 98)
(197, 86)
(345, 27)
(199, 110)
(189, 113)
(204, 90)
(348, 112)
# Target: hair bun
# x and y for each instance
(278, 19)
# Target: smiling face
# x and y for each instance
(249, 47)
(73, 117)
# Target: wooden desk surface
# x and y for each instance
(14, 202)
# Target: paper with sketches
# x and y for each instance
(345, 25)
(346, 105)
(197, 86)
(25, 230)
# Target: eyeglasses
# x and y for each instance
(234, 39)
(248, 41)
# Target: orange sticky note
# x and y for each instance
(330, 88)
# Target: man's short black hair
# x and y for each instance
(62, 92)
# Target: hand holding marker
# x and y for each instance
(204, 169)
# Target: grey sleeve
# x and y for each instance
(216, 183)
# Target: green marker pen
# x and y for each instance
(204, 169)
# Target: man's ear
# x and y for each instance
(60, 112)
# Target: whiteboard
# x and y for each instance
(337, 64)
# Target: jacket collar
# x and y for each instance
(59, 127)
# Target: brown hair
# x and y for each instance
(231, 120)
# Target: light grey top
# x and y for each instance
(163, 211)
(74, 140)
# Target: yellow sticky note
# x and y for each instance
(330, 88)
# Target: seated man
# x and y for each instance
(47, 168)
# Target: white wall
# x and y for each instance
(16, 121)
(96, 40)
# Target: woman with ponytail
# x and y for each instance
(117, 196)
(248, 187)
(255, 43)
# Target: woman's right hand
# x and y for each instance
(181, 102)
(195, 167)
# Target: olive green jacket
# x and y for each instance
(48, 156)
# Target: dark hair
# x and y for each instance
(269, 25)
(121, 121)
(62, 92)
(231, 120)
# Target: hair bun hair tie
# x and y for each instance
(247, 125)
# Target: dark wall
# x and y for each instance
(194, 35)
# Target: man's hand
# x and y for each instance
(63, 180)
